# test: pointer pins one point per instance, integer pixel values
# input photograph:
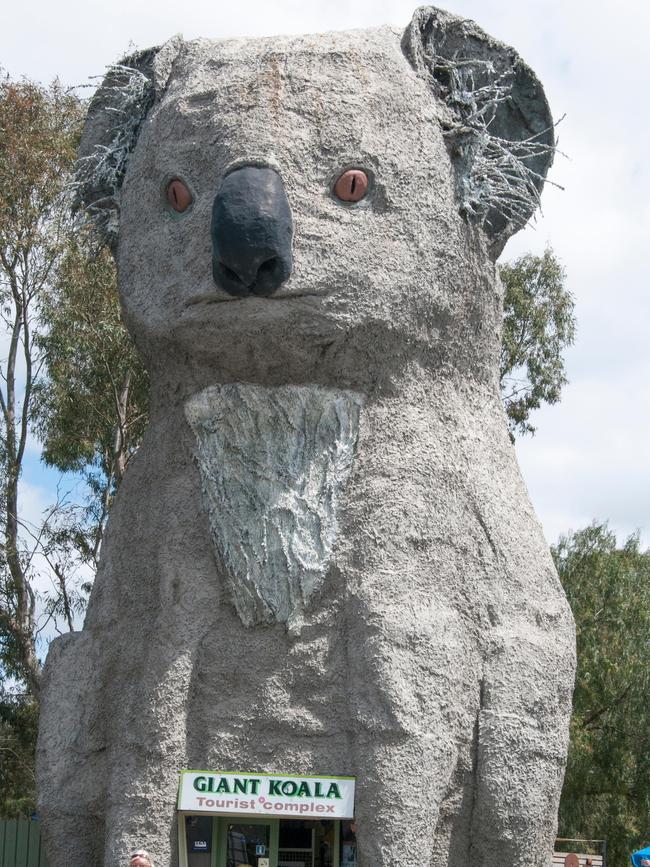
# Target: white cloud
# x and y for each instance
(592, 461)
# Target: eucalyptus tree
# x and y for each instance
(38, 137)
(69, 375)
(91, 408)
(538, 326)
(607, 785)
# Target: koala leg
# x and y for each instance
(71, 753)
(522, 741)
(399, 799)
(147, 751)
(417, 684)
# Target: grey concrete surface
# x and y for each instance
(433, 654)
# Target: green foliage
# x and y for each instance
(538, 325)
(18, 729)
(39, 131)
(59, 317)
(607, 787)
(91, 410)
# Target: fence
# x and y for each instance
(580, 853)
(20, 843)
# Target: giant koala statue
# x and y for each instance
(323, 558)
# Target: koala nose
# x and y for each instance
(252, 229)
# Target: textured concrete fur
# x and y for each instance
(428, 648)
(273, 464)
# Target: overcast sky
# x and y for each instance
(591, 455)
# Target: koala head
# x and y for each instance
(305, 207)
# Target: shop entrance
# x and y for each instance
(244, 843)
(240, 841)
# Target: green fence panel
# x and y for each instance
(34, 846)
(20, 844)
(10, 843)
(9, 849)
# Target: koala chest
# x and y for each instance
(273, 464)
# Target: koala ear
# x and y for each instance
(114, 118)
(496, 120)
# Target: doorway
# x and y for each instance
(240, 841)
(307, 843)
(246, 843)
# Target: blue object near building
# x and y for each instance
(641, 858)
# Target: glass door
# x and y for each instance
(247, 843)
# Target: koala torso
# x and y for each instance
(323, 557)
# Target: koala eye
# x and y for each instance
(351, 186)
(178, 196)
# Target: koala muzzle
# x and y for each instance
(252, 228)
